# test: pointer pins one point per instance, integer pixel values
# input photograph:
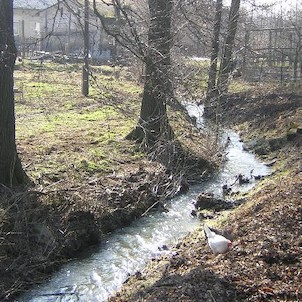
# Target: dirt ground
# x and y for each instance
(266, 259)
(41, 231)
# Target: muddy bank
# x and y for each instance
(263, 265)
(266, 260)
(42, 228)
(267, 121)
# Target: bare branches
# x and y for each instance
(131, 41)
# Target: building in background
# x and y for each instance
(58, 27)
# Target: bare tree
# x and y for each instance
(85, 71)
(193, 27)
(153, 124)
(11, 171)
(215, 50)
(226, 60)
(153, 121)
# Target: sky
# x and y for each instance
(277, 4)
(285, 3)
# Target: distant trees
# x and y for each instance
(11, 172)
(193, 22)
(218, 80)
(219, 85)
(226, 64)
(272, 43)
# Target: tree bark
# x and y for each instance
(215, 50)
(11, 172)
(85, 70)
(226, 66)
(153, 122)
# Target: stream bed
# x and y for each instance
(128, 250)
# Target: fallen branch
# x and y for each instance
(151, 207)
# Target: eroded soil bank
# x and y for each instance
(266, 259)
(51, 223)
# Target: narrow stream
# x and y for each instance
(127, 251)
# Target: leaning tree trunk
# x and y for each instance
(296, 60)
(215, 50)
(11, 172)
(153, 123)
(226, 66)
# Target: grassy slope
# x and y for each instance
(55, 123)
(265, 262)
(60, 131)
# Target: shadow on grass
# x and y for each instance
(197, 285)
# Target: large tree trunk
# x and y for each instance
(11, 172)
(226, 62)
(153, 122)
(215, 50)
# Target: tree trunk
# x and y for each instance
(226, 63)
(11, 172)
(215, 50)
(153, 122)
(85, 70)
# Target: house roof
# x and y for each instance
(34, 4)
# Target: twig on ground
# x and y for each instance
(214, 300)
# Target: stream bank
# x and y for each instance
(266, 260)
(128, 250)
(56, 220)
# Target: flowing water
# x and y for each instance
(127, 251)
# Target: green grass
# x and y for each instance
(60, 131)
(240, 86)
